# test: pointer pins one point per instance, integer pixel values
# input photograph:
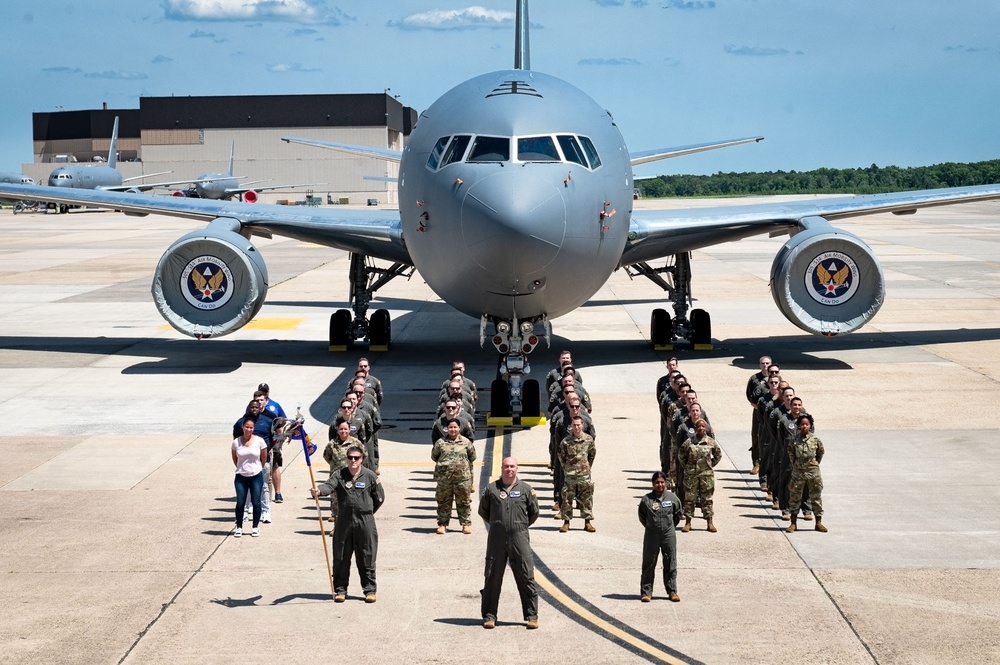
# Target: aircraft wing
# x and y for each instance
(246, 188)
(666, 153)
(657, 233)
(362, 150)
(373, 232)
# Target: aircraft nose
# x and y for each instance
(513, 224)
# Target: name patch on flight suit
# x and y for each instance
(360, 484)
(515, 494)
(667, 504)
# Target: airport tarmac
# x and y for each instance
(117, 486)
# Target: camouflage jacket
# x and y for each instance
(453, 459)
(577, 455)
(805, 454)
(335, 453)
(701, 455)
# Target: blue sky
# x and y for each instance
(836, 84)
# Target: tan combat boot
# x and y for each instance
(588, 527)
(711, 526)
(791, 527)
(564, 528)
(819, 525)
(687, 525)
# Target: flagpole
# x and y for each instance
(306, 444)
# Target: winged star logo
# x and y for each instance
(207, 282)
(832, 278)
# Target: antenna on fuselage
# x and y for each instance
(522, 51)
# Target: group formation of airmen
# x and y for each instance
(453, 450)
(688, 449)
(571, 444)
(784, 449)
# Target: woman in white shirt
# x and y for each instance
(249, 456)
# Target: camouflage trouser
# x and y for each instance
(459, 491)
(581, 490)
(798, 483)
(701, 484)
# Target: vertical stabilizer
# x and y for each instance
(522, 50)
(113, 152)
(232, 153)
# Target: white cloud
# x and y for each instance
(296, 11)
(456, 19)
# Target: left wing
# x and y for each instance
(364, 151)
(825, 280)
(245, 187)
(668, 153)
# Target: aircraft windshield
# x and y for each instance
(490, 149)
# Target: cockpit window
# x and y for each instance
(435, 158)
(588, 147)
(490, 149)
(571, 148)
(456, 150)
(537, 149)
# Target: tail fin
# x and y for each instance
(232, 153)
(113, 153)
(522, 50)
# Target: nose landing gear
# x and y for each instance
(514, 399)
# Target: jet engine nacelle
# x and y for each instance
(178, 192)
(827, 281)
(210, 282)
(250, 196)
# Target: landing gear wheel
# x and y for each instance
(379, 331)
(63, 208)
(531, 401)
(499, 399)
(701, 330)
(340, 327)
(661, 330)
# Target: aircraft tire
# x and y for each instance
(531, 401)
(379, 330)
(340, 326)
(701, 330)
(499, 399)
(660, 329)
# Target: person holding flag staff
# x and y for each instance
(359, 496)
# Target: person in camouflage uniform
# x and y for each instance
(576, 456)
(805, 453)
(699, 457)
(335, 455)
(453, 455)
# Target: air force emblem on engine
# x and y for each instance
(207, 282)
(832, 278)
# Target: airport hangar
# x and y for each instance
(191, 136)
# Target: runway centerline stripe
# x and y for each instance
(560, 596)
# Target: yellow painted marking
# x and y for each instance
(337, 347)
(498, 421)
(274, 324)
(377, 347)
(601, 623)
(497, 453)
(663, 347)
(702, 347)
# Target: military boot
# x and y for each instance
(791, 527)
(564, 528)
(588, 527)
(819, 525)
(711, 526)
(687, 525)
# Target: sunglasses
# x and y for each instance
(354, 458)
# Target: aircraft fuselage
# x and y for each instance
(515, 195)
(85, 177)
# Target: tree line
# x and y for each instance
(871, 180)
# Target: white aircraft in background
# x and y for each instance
(17, 178)
(515, 192)
(219, 186)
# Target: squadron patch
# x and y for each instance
(832, 278)
(655, 506)
(207, 282)
(503, 494)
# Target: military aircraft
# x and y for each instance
(515, 192)
(19, 178)
(104, 177)
(226, 185)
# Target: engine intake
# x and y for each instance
(827, 281)
(210, 282)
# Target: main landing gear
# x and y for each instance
(514, 399)
(675, 279)
(366, 278)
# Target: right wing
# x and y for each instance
(373, 232)
(668, 153)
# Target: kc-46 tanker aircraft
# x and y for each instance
(515, 193)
